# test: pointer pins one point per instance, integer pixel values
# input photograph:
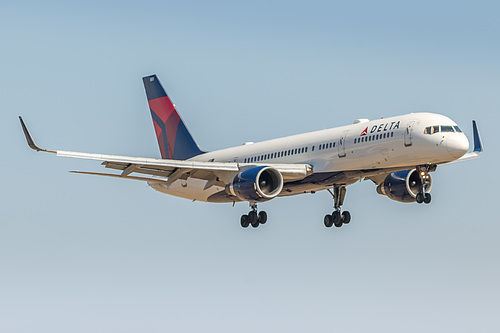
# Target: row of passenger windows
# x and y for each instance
(287, 153)
(446, 129)
(374, 137)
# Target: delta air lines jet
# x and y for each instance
(397, 154)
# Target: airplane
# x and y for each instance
(397, 154)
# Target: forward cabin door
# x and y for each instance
(409, 134)
(342, 141)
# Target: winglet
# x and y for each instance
(30, 140)
(478, 144)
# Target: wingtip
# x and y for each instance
(478, 144)
(29, 138)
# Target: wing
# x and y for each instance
(168, 171)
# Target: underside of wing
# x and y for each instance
(167, 171)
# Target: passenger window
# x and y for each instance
(312, 148)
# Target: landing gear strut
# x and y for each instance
(253, 218)
(423, 172)
(338, 218)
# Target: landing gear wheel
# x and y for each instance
(255, 224)
(427, 198)
(420, 198)
(337, 219)
(253, 217)
(245, 221)
(346, 217)
(262, 217)
(328, 221)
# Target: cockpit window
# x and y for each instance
(447, 129)
(431, 130)
(437, 129)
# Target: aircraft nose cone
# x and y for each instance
(457, 145)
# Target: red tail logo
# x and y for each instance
(364, 131)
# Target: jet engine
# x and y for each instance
(256, 184)
(403, 186)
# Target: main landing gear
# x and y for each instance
(338, 218)
(253, 218)
(423, 196)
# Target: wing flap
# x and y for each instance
(146, 179)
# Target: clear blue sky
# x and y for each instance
(81, 253)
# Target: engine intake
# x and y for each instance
(256, 184)
(403, 186)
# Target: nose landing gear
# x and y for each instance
(338, 218)
(253, 218)
(423, 172)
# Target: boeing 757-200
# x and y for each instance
(396, 153)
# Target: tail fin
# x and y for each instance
(174, 139)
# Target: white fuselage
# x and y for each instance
(388, 143)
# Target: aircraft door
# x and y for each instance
(341, 142)
(409, 134)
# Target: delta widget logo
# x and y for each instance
(384, 127)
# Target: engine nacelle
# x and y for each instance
(256, 184)
(403, 186)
